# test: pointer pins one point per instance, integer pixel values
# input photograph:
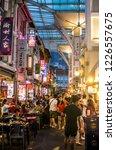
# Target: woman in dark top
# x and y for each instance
(23, 109)
(90, 106)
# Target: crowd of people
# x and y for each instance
(63, 111)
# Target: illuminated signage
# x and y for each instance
(29, 65)
(42, 64)
(31, 39)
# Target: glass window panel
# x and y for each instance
(66, 7)
(63, 1)
(82, 1)
(49, 1)
(72, 1)
(56, 1)
(49, 20)
(43, 1)
(35, 0)
(34, 7)
(51, 6)
(36, 17)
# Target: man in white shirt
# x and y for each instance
(84, 103)
(53, 111)
(5, 107)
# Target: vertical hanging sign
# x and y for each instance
(42, 64)
(6, 36)
(29, 65)
(31, 39)
(21, 60)
(22, 48)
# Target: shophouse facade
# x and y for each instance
(21, 70)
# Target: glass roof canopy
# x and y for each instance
(43, 14)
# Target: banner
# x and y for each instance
(37, 68)
(42, 64)
(29, 65)
(31, 38)
(22, 47)
(21, 77)
(6, 36)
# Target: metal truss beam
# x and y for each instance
(63, 31)
(1, 9)
(59, 26)
(63, 56)
(43, 6)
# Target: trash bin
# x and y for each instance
(92, 133)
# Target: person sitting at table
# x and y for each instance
(38, 108)
(5, 108)
(12, 106)
(23, 109)
(17, 115)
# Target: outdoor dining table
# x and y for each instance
(6, 127)
(34, 122)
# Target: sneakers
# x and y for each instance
(78, 144)
(53, 126)
(63, 127)
(82, 138)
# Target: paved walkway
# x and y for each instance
(49, 139)
(46, 139)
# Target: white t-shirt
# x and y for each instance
(53, 104)
(84, 101)
(5, 108)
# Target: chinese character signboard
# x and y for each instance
(22, 47)
(29, 65)
(6, 36)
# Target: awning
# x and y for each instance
(6, 70)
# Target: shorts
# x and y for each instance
(53, 114)
(71, 130)
(61, 114)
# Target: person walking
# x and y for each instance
(90, 107)
(79, 132)
(53, 110)
(60, 108)
(72, 113)
(46, 112)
